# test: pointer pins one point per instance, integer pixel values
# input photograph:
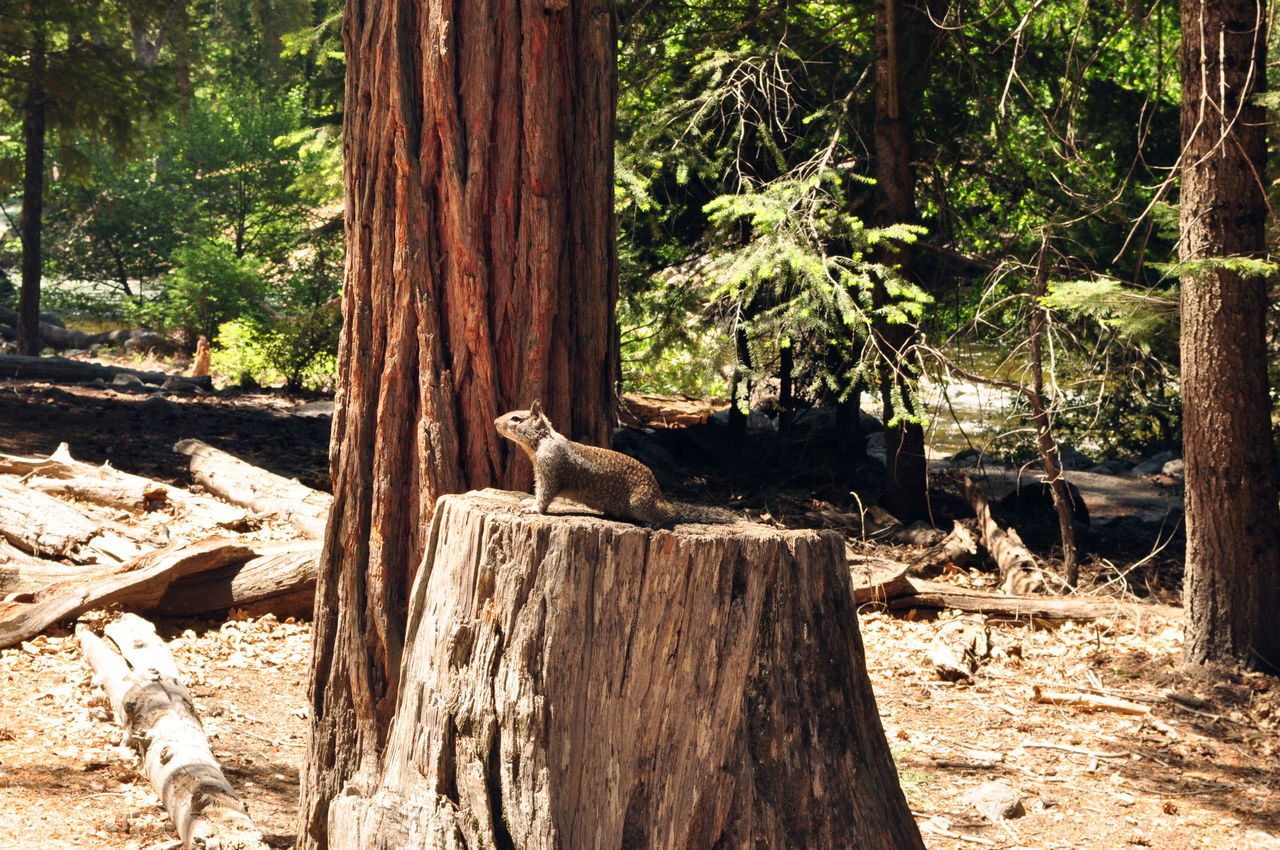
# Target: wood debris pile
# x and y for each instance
(75, 536)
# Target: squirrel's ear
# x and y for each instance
(536, 408)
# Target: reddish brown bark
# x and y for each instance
(481, 275)
(1232, 584)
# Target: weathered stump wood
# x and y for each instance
(138, 585)
(257, 489)
(103, 485)
(573, 682)
(153, 706)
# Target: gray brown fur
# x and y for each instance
(619, 486)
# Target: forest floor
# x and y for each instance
(1199, 769)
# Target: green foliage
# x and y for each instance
(1147, 319)
(803, 272)
(303, 349)
(120, 230)
(209, 284)
(238, 354)
(300, 353)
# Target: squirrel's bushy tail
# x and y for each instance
(688, 512)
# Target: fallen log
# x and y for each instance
(935, 595)
(138, 585)
(151, 703)
(61, 370)
(263, 492)
(41, 524)
(1019, 569)
(1087, 702)
(103, 485)
(875, 579)
(958, 549)
(22, 574)
(569, 681)
(280, 582)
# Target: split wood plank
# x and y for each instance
(138, 585)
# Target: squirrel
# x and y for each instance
(620, 486)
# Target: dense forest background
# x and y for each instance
(192, 184)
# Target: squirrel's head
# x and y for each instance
(524, 427)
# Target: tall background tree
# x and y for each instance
(1232, 584)
(70, 76)
(480, 275)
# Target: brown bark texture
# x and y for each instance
(906, 488)
(1232, 584)
(481, 275)
(577, 682)
(30, 226)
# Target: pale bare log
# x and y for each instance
(153, 706)
(1087, 702)
(1007, 549)
(958, 549)
(42, 525)
(935, 595)
(263, 492)
(103, 485)
(22, 574)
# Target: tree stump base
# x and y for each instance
(570, 681)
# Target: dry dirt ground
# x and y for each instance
(1198, 769)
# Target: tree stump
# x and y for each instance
(574, 682)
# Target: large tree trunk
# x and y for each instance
(33, 133)
(481, 275)
(906, 489)
(1232, 585)
(575, 682)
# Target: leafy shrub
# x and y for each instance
(239, 353)
(208, 286)
(303, 348)
(300, 351)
